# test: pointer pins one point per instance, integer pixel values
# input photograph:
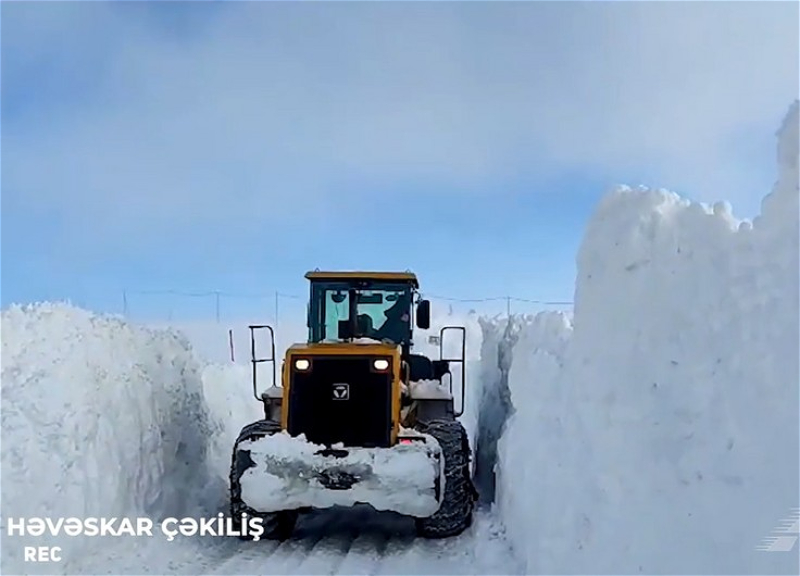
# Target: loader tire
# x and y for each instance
(455, 513)
(276, 525)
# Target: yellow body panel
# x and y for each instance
(390, 276)
(344, 349)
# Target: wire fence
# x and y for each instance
(173, 305)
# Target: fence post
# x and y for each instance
(124, 302)
(508, 306)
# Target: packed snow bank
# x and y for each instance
(658, 431)
(492, 403)
(228, 382)
(228, 392)
(99, 419)
(229, 342)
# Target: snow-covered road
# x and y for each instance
(355, 541)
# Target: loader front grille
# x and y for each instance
(360, 418)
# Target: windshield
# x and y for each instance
(382, 314)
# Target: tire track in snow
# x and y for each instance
(357, 542)
(313, 545)
(364, 555)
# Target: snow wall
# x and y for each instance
(99, 420)
(656, 431)
(103, 419)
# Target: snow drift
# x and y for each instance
(212, 341)
(99, 419)
(657, 431)
(228, 394)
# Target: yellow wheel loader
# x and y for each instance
(357, 417)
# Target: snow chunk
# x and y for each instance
(429, 390)
(365, 340)
(288, 472)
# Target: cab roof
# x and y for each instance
(406, 277)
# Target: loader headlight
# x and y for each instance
(381, 364)
(302, 364)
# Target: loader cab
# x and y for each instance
(360, 336)
(348, 306)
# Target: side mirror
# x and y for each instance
(424, 314)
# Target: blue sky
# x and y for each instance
(232, 147)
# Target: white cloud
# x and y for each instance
(277, 107)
